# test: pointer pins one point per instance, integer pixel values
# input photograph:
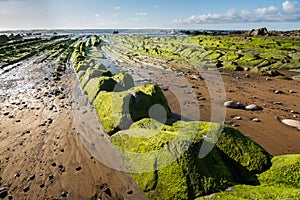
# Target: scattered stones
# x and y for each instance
(256, 120)
(3, 192)
(253, 107)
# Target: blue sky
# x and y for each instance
(188, 14)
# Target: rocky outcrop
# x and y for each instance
(3, 39)
(118, 110)
(165, 159)
(258, 32)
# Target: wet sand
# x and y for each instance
(41, 155)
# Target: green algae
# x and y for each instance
(165, 162)
(117, 110)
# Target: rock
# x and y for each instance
(3, 192)
(124, 82)
(278, 92)
(238, 118)
(170, 152)
(201, 98)
(291, 122)
(53, 164)
(118, 110)
(32, 177)
(17, 175)
(233, 104)
(130, 191)
(26, 188)
(4, 39)
(78, 168)
(93, 73)
(258, 32)
(292, 91)
(294, 112)
(256, 120)
(107, 191)
(64, 194)
(253, 107)
(51, 177)
(247, 75)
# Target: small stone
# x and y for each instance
(53, 164)
(26, 188)
(18, 121)
(130, 191)
(6, 113)
(277, 103)
(294, 112)
(247, 75)
(201, 98)
(78, 168)
(51, 177)
(3, 193)
(238, 118)
(42, 185)
(292, 91)
(235, 125)
(232, 104)
(107, 191)
(256, 120)
(268, 79)
(64, 194)
(32, 177)
(60, 166)
(278, 92)
(253, 107)
(17, 175)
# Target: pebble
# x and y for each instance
(78, 168)
(247, 75)
(201, 98)
(253, 107)
(130, 191)
(231, 104)
(3, 193)
(64, 194)
(51, 177)
(277, 103)
(235, 125)
(256, 120)
(32, 177)
(292, 91)
(6, 113)
(278, 92)
(26, 188)
(268, 79)
(107, 191)
(17, 175)
(291, 122)
(42, 185)
(238, 118)
(294, 112)
(53, 164)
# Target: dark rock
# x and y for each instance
(3, 193)
(32, 177)
(26, 188)
(78, 168)
(51, 177)
(42, 185)
(278, 92)
(130, 191)
(258, 32)
(64, 194)
(107, 191)
(3, 39)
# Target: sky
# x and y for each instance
(168, 14)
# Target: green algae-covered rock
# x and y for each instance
(117, 110)
(285, 171)
(164, 159)
(124, 80)
(93, 73)
(281, 181)
(97, 84)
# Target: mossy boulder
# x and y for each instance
(93, 73)
(164, 159)
(97, 84)
(117, 110)
(285, 171)
(281, 181)
(124, 80)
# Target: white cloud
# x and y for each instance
(289, 12)
(288, 6)
(117, 8)
(141, 14)
(155, 6)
